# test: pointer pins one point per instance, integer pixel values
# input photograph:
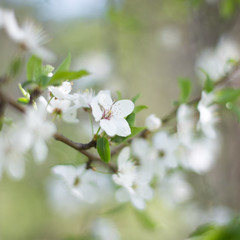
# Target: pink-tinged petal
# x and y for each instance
(104, 99)
(123, 128)
(96, 110)
(122, 108)
(109, 126)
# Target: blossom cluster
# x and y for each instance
(150, 160)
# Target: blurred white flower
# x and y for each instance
(112, 114)
(135, 181)
(208, 115)
(215, 61)
(78, 181)
(29, 37)
(186, 123)
(61, 108)
(104, 229)
(62, 91)
(201, 155)
(12, 154)
(126, 169)
(152, 122)
(166, 145)
(147, 156)
(174, 189)
(38, 130)
(61, 199)
(83, 99)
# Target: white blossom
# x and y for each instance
(38, 130)
(186, 123)
(12, 154)
(61, 108)
(61, 92)
(135, 181)
(28, 37)
(152, 122)
(167, 146)
(174, 189)
(126, 169)
(215, 61)
(104, 229)
(78, 181)
(83, 99)
(200, 156)
(112, 114)
(208, 115)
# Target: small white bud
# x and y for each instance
(152, 122)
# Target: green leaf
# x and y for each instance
(235, 109)
(134, 99)
(134, 131)
(208, 84)
(103, 149)
(23, 100)
(34, 69)
(227, 8)
(119, 95)
(145, 220)
(131, 119)
(47, 69)
(139, 108)
(226, 95)
(59, 77)
(65, 65)
(185, 89)
(15, 66)
(24, 92)
(202, 230)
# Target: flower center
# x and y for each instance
(107, 114)
(76, 181)
(162, 154)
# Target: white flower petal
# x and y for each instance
(124, 156)
(40, 150)
(69, 173)
(123, 128)
(70, 116)
(109, 126)
(96, 110)
(122, 108)
(104, 99)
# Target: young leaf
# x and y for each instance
(34, 69)
(24, 92)
(134, 99)
(145, 220)
(226, 95)
(134, 131)
(23, 100)
(131, 119)
(65, 65)
(185, 89)
(103, 149)
(139, 108)
(59, 77)
(208, 84)
(119, 95)
(202, 230)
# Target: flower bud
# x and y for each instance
(152, 122)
